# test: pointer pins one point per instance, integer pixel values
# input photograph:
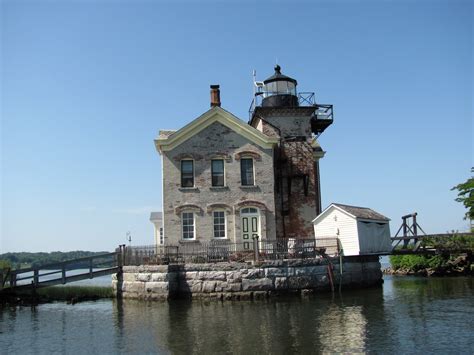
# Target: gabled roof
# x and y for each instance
(215, 114)
(356, 212)
(362, 212)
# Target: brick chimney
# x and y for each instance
(215, 96)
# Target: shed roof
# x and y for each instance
(353, 211)
(362, 212)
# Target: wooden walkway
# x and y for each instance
(62, 273)
(428, 244)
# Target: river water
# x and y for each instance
(406, 315)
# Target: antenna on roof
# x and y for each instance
(257, 85)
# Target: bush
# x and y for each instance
(416, 262)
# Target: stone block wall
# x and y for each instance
(149, 282)
(243, 281)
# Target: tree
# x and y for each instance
(4, 264)
(466, 196)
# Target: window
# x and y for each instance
(187, 173)
(162, 238)
(217, 171)
(188, 225)
(246, 171)
(219, 224)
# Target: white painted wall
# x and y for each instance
(157, 224)
(336, 223)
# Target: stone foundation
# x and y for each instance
(244, 281)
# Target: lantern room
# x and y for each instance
(279, 90)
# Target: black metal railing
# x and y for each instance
(305, 99)
(226, 251)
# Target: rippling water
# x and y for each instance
(407, 315)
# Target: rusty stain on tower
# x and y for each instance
(298, 120)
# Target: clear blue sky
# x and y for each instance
(86, 85)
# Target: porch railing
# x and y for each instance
(226, 251)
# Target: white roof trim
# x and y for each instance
(348, 214)
(215, 114)
(326, 211)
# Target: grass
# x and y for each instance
(70, 294)
(65, 293)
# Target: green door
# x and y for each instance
(250, 226)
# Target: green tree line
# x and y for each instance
(26, 259)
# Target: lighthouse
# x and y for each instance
(279, 110)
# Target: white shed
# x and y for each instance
(157, 219)
(361, 231)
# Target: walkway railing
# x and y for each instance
(62, 272)
(433, 243)
(226, 251)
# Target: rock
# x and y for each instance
(143, 277)
(281, 283)
(220, 285)
(275, 272)
(310, 270)
(254, 274)
(298, 282)
(233, 287)
(212, 275)
(129, 277)
(191, 275)
(156, 287)
(158, 276)
(263, 284)
(133, 287)
(208, 286)
(460, 260)
(234, 276)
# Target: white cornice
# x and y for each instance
(215, 114)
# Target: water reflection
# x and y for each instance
(407, 315)
(317, 323)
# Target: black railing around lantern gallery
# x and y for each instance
(305, 99)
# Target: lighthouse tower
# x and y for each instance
(278, 109)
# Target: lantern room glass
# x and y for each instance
(280, 87)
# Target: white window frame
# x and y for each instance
(182, 225)
(253, 171)
(181, 173)
(214, 224)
